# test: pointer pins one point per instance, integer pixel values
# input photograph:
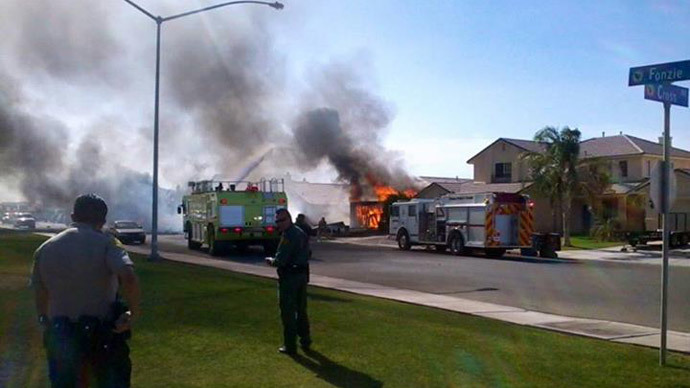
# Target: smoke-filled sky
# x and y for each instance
(415, 86)
(77, 92)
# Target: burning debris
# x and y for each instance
(367, 215)
(371, 214)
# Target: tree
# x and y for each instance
(605, 228)
(559, 175)
(594, 180)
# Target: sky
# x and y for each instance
(463, 73)
(444, 78)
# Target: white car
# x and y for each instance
(24, 220)
(8, 218)
(128, 232)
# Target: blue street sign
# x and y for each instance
(667, 93)
(661, 73)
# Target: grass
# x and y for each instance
(204, 327)
(587, 242)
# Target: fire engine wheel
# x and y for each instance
(494, 252)
(456, 244)
(191, 244)
(214, 247)
(404, 241)
(270, 248)
(241, 247)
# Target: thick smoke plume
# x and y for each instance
(31, 153)
(363, 163)
(76, 94)
(65, 47)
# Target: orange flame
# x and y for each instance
(380, 189)
(369, 215)
(383, 192)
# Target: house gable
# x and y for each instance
(500, 162)
(434, 190)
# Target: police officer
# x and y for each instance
(293, 275)
(322, 228)
(76, 277)
(301, 222)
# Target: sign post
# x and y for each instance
(666, 207)
(657, 80)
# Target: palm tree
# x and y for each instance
(555, 171)
(594, 180)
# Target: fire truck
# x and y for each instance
(492, 222)
(221, 214)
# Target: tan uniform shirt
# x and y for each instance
(79, 268)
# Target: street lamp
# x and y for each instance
(159, 20)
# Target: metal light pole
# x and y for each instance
(159, 21)
(666, 237)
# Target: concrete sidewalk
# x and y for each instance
(677, 257)
(605, 330)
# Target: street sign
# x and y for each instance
(672, 94)
(661, 73)
(655, 188)
(657, 80)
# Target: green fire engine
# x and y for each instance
(221, 214)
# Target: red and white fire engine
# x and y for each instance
(492, 222)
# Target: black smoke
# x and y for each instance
(225, 101)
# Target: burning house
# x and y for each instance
(367, 203)
(367, 210)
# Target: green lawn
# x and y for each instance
(587, 242)
(209, 328)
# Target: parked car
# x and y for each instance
(337, 229)
(24, 220)
(128, 231)
(8, 218)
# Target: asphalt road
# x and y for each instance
(621, 292)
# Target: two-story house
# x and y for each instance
(630, 160)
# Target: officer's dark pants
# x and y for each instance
(292, 290)
(79, 354)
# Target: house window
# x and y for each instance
(649, 168)
(502, 172)
(623, 164)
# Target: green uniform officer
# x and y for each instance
(292, 261)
